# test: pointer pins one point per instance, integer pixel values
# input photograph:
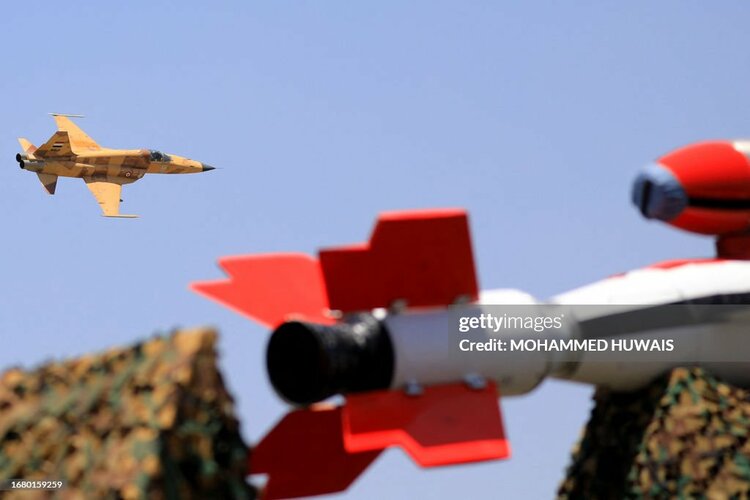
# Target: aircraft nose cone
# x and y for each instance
(658, 194)
(206, 167)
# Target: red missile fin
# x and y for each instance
(270, 288)
(304, 455)
(447, 424)
(423, 257)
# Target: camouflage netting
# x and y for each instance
(684, 436)
(153, 420)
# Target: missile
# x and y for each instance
(398, 328)
(330, 338)
(373, 322)
(702, 188)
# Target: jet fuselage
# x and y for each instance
(128, 164)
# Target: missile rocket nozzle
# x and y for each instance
(309, 362)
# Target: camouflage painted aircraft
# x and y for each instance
(72, 153)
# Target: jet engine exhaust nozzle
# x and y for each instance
(31, 165)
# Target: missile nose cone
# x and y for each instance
(206, 167)
(658, 194)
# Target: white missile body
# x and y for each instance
(422, 343)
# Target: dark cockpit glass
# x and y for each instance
(159, 156)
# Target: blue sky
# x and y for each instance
(534, 116)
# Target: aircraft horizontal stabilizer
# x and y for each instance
(49, 181)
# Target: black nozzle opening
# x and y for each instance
(308, 362)
(645, 197)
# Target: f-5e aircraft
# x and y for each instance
(72, 153)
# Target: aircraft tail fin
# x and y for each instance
(49, 181)
(26, 145)
(57, 146)
(79, 140)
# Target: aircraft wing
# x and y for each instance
(79, 141)
(107, 192)
(57, 145)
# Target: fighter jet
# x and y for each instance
(72, 153)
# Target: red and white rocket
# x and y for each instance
(368, 322)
